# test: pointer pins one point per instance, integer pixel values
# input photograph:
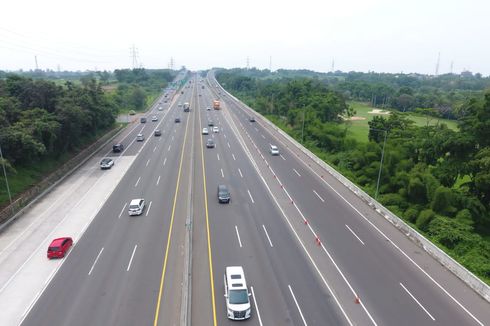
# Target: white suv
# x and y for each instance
(136, 206)
(236, 294)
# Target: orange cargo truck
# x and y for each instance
(216, 105)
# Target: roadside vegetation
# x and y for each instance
(436, 168)
(44, 121)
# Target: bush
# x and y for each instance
(424, 219)
(448, 232)
(442, 202)
(411, 214)
(416, 191)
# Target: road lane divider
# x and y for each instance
(122, 210)
(354, 234)
(137, 182)
(148, 210)
(169, 236)
(95, 261)
(417, 301)
(297, 305)
(238, 236)
(267, 235)
(131, 259)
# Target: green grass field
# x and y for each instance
(359, 129)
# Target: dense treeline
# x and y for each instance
(445, 95)
(136, 86)
(435, 178)
(40, 119)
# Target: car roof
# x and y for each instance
(58, 241)
(136, 201)
(235, 277)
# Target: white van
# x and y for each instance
(236, 294)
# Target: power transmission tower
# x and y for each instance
(171, 65)
(438, 61)
(270, 63)
(451, 68)
(35, 59)
(248, 63)
(134, 56)
(333, 65)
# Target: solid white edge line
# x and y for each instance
(417, 301)
(297, 305)
(131, 259)
(148, 210)
(240, 171)
(354, 234)
(136, 184)
(122, 210)
(256, 306)
(158, 181)
(299, 175)
(267, 234)
(323, 200)
(238, 236)
(95, 261)
(251, 198)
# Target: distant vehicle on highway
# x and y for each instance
(205, 131)
(160, 108)
(106, 163)
(224, 195)
(216, 105)
(215, 129)
(143, 119)
(179, 105)
(177, 120)
(208, 109)
(210, 123)
(154, 118)
(210, 143)
(116, 148)
(236, 294)
(136, 206)
(158, 133)
(59, 247)
(273, 150)
(140, 137)
(251, 119)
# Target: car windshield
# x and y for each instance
(54, 248)
(105, 161)
(238, 296)
(133, 206)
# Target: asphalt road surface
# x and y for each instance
(313, 254)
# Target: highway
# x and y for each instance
(312, 252)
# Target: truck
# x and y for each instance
(216, 105)
(186, 107)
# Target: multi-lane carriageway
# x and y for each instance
(313, 254)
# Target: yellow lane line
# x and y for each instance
(164, 268)
(210, 256)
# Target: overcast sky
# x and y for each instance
(361, 35)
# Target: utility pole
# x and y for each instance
(35, 59)
(134, 56)
(248, 63)
(270, 63)
(333, 65)
(437, 64)
(5, 174)
(381, 164)
(451, 68)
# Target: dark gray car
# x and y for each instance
(224, 195)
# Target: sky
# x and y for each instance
(355, 35)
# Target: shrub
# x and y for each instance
(448, 232)
(411, 214)
(424, 219)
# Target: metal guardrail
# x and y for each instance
(444, 259)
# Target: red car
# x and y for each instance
(59, 247)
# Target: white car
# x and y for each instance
(106, 163)
(273, 150)
(140, 137)
(215, 129)
(136, 206)
(160, 108)
(154, 118)
(236, 294)
(205, 131)
(208, 109)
